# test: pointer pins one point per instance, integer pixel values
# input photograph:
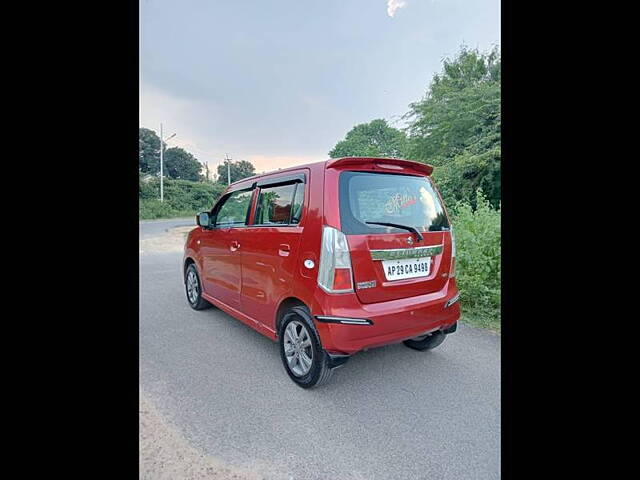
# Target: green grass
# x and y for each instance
(482, 318)
(150, 214)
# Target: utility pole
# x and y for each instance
(162, 162)
(226, 155)
(161, 166)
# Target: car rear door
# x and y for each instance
(270, 245)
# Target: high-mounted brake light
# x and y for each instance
(389, 166)
(334, 271)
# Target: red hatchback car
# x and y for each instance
(329, 259)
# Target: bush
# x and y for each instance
(182, 198)
(477, 233)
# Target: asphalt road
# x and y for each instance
(389, 413)
(153, 228)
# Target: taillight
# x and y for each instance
(452, 270)
(334, 271)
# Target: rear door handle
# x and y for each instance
(284, 250)
(234, 245)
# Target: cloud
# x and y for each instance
(393, 5)
(194, 122)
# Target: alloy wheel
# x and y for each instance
(297, 348)
(192, 286)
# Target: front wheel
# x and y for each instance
(426, 342)
(193, 288)
(302, 354)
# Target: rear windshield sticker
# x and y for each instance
(399, 201)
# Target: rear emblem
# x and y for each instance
(362, 285)
(410, 240)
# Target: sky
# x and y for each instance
(280, 82)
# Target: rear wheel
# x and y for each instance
(303, 357)
(193, 288)
(426, 342)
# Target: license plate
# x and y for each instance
(406, 268)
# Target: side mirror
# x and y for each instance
(203, 220)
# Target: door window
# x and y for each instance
(233, 211)
(298, 199)
(280, 205)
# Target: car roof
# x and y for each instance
(272, 172)
(339, 161)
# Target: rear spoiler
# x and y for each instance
(381, 163)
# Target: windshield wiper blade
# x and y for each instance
(397, 225)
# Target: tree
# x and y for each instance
(180, 164)
(149, 151)
(239, 170)
(373, 139)
(456, 126)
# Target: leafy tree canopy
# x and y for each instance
(149, 151)
(456, 126)
(239, 170)
(373, 139)
(177, 162)
(180, 164)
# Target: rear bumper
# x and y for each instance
(389, 322)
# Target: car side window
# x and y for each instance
(279, 205)
(233, 212)
(298, 200)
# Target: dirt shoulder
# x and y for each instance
(166, 454)
(172, 241)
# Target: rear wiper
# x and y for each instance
(397, 225)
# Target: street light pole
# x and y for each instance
(228, 169)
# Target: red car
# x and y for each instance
(329, 259)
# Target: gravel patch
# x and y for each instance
(172, 241)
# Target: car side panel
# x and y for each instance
(268, 269)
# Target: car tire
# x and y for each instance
(193, 289)
(303, 357)
(426, 342)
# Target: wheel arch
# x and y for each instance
(285, 304)
(187, 261)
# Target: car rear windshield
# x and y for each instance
(388, 198)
